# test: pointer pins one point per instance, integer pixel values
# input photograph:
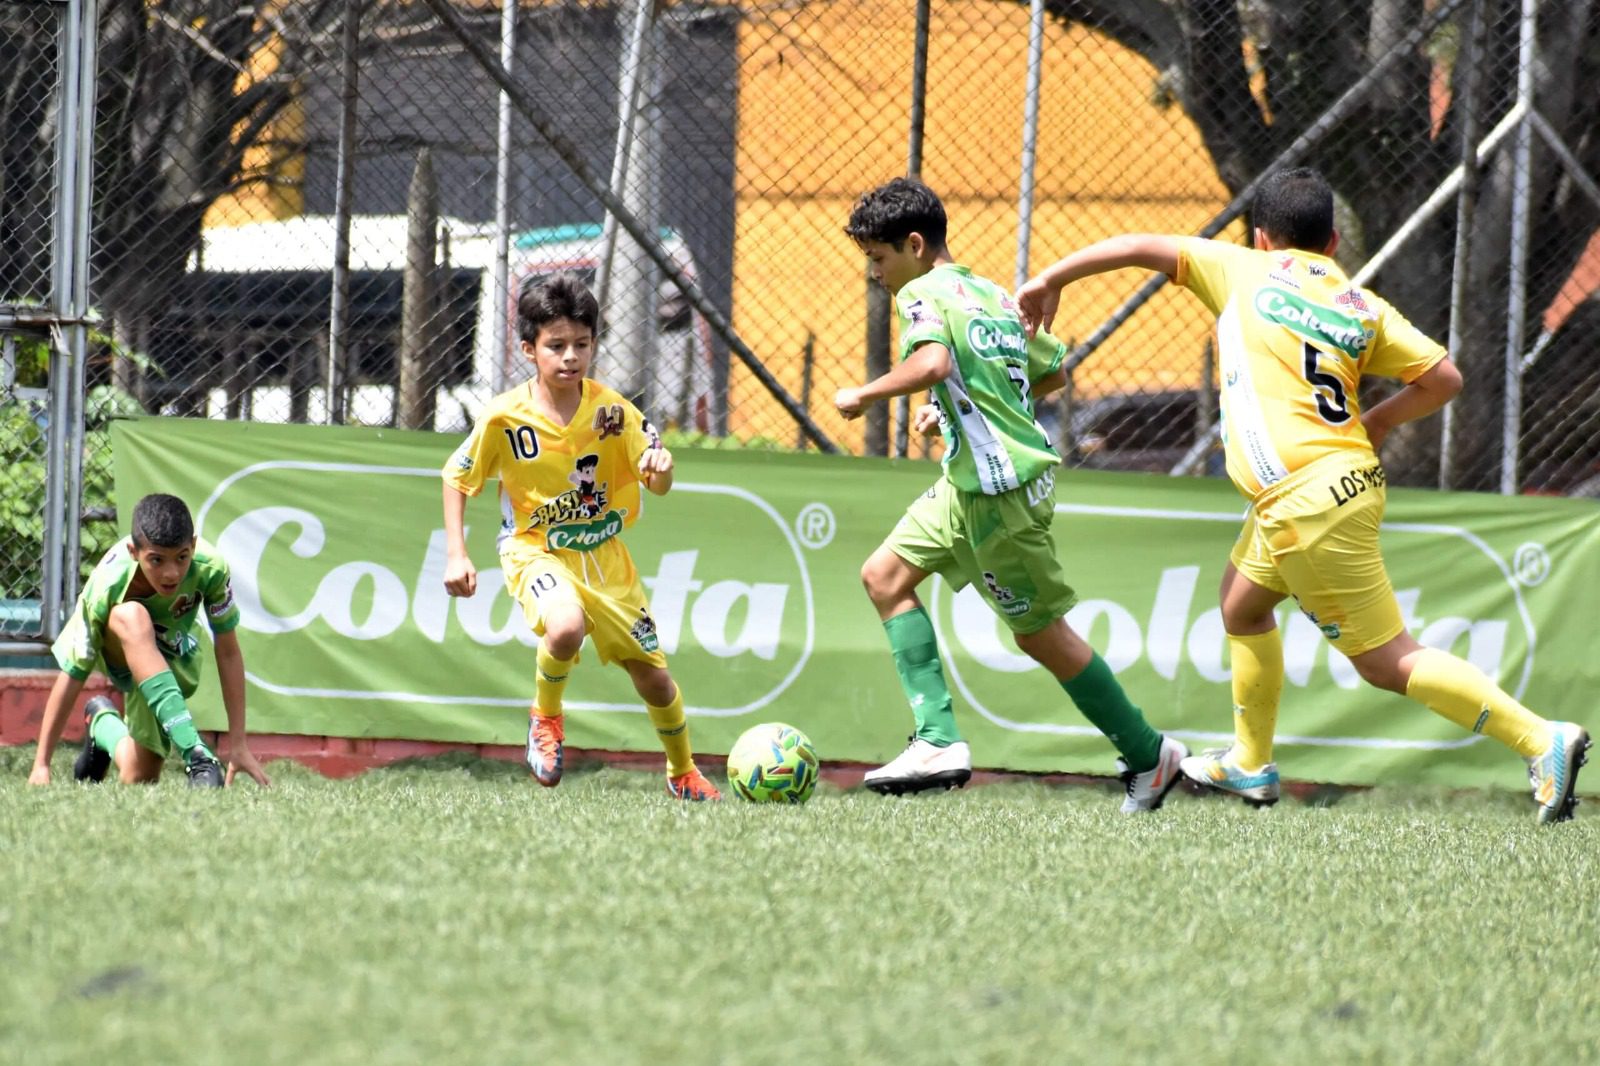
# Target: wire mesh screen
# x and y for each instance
(28, 45)
(300, 206)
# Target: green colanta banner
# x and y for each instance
(337, 549)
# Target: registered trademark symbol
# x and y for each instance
(1530, 564)
(815, 525)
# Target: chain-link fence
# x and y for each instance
(46, 57)
(321, 210)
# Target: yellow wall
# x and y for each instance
(822, 117)
(274, 166)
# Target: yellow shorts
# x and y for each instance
(603, 583)
(1316, 538)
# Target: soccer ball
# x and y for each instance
(773, 763)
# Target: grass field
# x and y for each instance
(452, 912)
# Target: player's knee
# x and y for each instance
(878, 578)
(1384, 673)
(129, 620)
(655, 687)
(564, 641)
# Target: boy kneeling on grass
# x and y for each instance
(137, 616)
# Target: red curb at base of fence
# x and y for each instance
(23, 694)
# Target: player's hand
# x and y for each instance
(39, 776)
(1037, 303)
(655, 461)
(848, 401)
(926, 420)
(460, 578)
(241, 758)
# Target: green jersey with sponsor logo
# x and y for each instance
(205, 589)
(993, 444)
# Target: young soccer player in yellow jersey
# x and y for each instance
(570, 455)
(1294, 337)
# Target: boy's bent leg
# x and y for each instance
(1455, 689)
(936, 757)
(1255, 651)
(554, 611)
(137, 764)
(156, 683)
(103, 732)
(663, 701)
(1096, 692)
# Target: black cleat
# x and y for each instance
(205, 773)
(93, 761)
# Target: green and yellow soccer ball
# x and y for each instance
(773, 763)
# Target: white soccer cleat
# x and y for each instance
(923, 766)
(1554, 775)
(1216, 769)
(1147, 790)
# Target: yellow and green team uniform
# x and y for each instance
(566, 494)
(206, 590)
(1294, 337)
(986, 522)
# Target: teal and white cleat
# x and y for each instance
(1554, 775)
(1216, 769)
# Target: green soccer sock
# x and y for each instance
(916, 660)
(107, 731)
(161, 692)
(1100, 697)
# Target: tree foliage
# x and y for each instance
(1254, 74)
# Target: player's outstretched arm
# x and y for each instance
(460, 579)
(655, 470)
(922, 369)
(1051, 382)
(1040, 298)
(230, 673)
(63, 694)
(1437, 386)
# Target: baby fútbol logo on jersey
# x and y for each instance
(1149, 606)
(727, 582)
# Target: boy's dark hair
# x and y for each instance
(1295, 208)
(557, 296)
(895, 210)
(162, 521)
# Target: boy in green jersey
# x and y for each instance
(137, 616)
(986, 521)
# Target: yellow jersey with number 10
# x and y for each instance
(565, 488)
(1294, 336)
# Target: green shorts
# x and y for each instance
(1001, 544)
(143, 727)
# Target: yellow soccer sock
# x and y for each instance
(1257, 688)
(673, 729)
(1459, 691)
(551, 683)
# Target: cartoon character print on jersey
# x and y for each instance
(997, 590)
(644, 631)
(922, 313)
(591, 497)
(1329, 629)
(176, 643)
(1011, 605)
(185, 603)
(609, 420)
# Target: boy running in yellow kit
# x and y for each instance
(570, 455)
(1294, 337)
